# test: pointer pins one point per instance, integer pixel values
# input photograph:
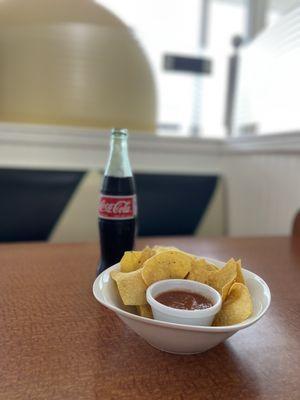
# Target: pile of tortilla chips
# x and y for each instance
(139, 269)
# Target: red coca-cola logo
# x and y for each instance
(117, 207)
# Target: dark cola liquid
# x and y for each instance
(116, 236)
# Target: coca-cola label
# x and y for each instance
(117, 207)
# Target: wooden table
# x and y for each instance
(57, 342)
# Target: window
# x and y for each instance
(268, 90)
(227, 20)
(173, 26)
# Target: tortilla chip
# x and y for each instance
(236, 308)
(145, 311)
(239, 274)
(211, 267)
(224, 278)
(161, 249)
(225, 290)
(146, 254)
(200, 271)
(170, 264)
(131, 286)
(130, 261)
(133, 260)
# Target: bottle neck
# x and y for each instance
(118, 164)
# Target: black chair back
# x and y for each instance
(31, 202)
(172, 204)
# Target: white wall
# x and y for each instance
(263, 193)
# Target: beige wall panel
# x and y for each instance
(79, 221)
(213, 222)
(72, 62)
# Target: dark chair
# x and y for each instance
(31, 202)
(296, 225)
(172, 204)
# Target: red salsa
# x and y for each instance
(184, 300)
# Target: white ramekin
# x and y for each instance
(188, 317)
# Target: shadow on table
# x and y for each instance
(217, 374)
(219, 371)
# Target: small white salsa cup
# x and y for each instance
(162, 312)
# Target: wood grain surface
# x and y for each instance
(57, 342)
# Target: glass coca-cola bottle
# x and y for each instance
(117, 206)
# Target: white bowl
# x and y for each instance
(178, 338)
(162, 312)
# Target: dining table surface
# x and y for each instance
(58, 343)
